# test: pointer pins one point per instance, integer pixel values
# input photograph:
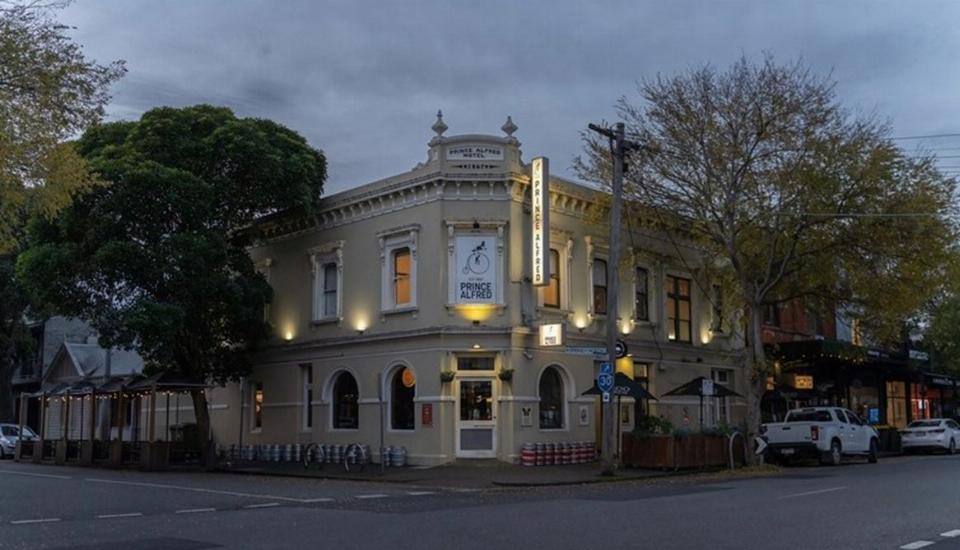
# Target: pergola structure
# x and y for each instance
(79, 442)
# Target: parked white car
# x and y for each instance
(936, 433)
(826, 433)
(8, 438)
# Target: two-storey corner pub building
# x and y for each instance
(409, 305)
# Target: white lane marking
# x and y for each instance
(264, 505)
(113, 516)
(372, 496)
(195, 510)
(314, 500)
(41, 520)
(463, 490)
(915, 545)
(951, 534)
(50, 476)
(808, 493)
(420, 493)
(195, 489)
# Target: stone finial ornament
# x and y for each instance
(439, 126)
(509, 127)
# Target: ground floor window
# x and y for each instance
(402, 391)
(551, 399)
(346, 402)
(257, 406)
(896, 404)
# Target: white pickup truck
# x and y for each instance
(827, 433)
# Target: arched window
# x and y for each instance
(346, 411)
(551, 399)
(403, 386)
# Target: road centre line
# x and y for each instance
(50, 476)
(951, 534)
(195, 489)
(315, 500)
(28, 521)
(420, 493)
(372, 496)
(264, 505)
(808, 493)
(114, 516)
(195, 510)
(916, 545)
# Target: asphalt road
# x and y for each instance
(899, 503)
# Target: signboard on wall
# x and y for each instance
(475, 152)
(540, 220)
(475, 271)
(426, 414)
(551, 335)
(800, 381)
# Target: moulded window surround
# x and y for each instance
(555, 297)
(327, 269)
(598, 279)
(641, 294)
(398, 266)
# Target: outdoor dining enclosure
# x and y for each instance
(121, 421)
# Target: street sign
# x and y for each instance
(606, 397)
(706, 387)
(761, 445)
(606, 367)
(605, 382)
(620, 349)
(596, 351)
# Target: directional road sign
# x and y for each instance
(606, 367)
(605, 383)
(761, 445)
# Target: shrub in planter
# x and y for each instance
(505, 374)
(447, 376)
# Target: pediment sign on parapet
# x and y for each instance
(478, 154)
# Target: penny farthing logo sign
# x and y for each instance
(476, 269)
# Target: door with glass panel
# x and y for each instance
(477, 419)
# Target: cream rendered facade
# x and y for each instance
(335, 311)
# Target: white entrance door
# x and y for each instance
(477, 419)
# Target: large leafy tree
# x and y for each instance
(787, 194)
(157, 259)
(49, 93)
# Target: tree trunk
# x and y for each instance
(757, 383)
(202, 415)
(7, 366)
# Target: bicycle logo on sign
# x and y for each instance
(477, 263)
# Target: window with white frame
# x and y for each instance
(551, 292)
(722, 377)
(306, 397)
(398, 258)
(679, 314)
(327, 281)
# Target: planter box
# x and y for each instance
(673, 453)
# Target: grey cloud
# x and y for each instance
(363, 80)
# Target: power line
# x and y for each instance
(929, 136)
(869, 214)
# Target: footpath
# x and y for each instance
(468, 474)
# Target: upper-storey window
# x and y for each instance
(716, 299)
(642, 295)
(599, 286)
(401, 276)
(679, 315)
(398, 254)
(551, 292)
(327, 281)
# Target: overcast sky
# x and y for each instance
(363, 80)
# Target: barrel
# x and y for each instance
(528, 455)
(540, 454)
(287, 452)
(297, 452)
(550, 456)
(398, 457)
(385, 455)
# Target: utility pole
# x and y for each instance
(617, 150)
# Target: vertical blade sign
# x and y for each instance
(540, 220)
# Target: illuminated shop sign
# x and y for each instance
(551, 335)
(540, 220)
(475, 273)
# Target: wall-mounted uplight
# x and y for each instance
(288, 335)
(626, 326)
(476, 346)
(360, 326)
(580, 321)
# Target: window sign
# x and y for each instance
(540, 220)
(476, 269)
